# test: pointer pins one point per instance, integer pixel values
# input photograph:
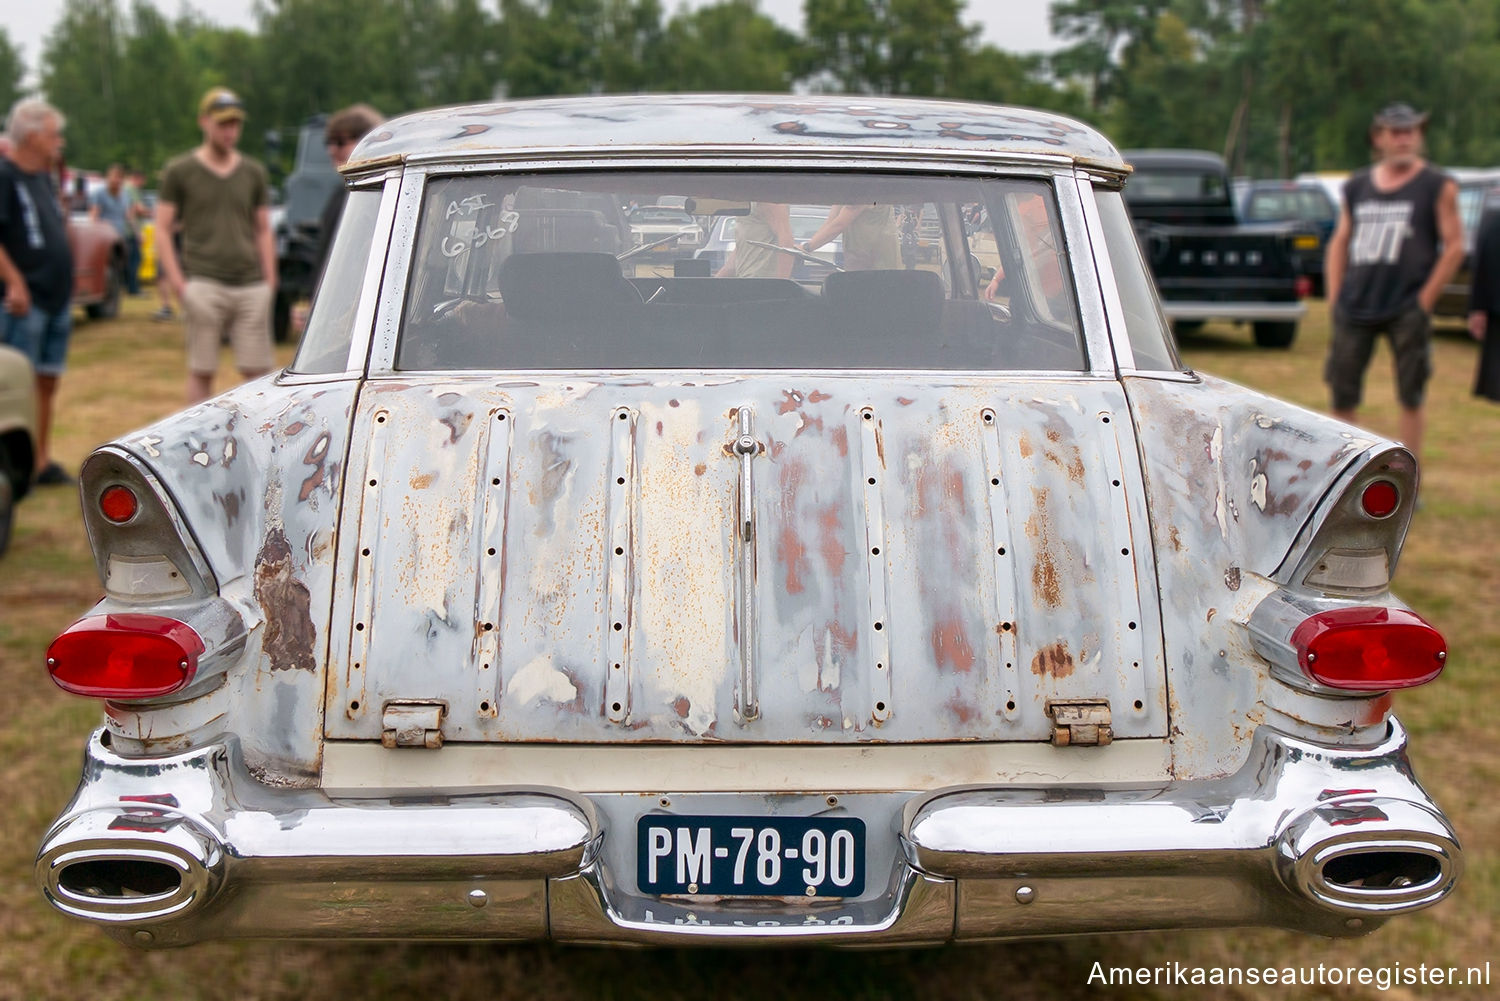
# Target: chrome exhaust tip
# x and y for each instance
(1371, 855)
(112, 866)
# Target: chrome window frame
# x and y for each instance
(370, 289)
(1123, 352)
(1060, 172)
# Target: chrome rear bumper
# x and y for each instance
(168, 851)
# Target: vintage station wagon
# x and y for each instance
(560, 590)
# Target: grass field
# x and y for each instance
(127, 372)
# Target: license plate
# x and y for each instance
(751, 856)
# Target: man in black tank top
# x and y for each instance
(1398, 242)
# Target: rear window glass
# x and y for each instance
(781, 270)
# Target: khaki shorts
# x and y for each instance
(215, 311)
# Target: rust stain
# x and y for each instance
(845, 641)
(314, 457)
(682, 706)
(1024, 444)
(1054, 435)
(1045, 580)
(832, 550)
(1075, 466)
(840, 439)
(1175, 539)
(699, 469)
(1211, 613)
(790, 401)
(1232, 578)
(294, 428)
(816, 423)
(421, 481)
(961, 710)
(905, 401)
(290, 634)
(658, 429)
(673, 403)
(818, 396)
(1054, 660)
(791, 552)
(950, 647)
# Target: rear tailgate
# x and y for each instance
(577, 560)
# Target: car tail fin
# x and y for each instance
(1350, 545)
(144, 551)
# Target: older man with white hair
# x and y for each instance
(36, 266)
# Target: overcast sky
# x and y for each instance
(1014, 25)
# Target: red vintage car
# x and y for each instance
(98, 265)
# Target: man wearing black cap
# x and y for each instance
(219, 201)
(1398, 242)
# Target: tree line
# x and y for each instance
(1277, 86)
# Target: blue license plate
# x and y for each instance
(751, 856)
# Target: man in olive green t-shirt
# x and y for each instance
(217, 200)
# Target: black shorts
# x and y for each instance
(1353, 343)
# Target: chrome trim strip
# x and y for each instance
(852, 157)
(369, 532)
(746, 543)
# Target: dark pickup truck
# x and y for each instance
(1207, 265)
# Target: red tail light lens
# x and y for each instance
(125, 656)
(1369, 649)
(1303, 287)
(1380, 499)
(118, 504)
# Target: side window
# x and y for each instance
(330, 324)
(1150, 338)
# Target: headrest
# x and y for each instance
(562, 285)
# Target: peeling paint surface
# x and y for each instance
(932, 668)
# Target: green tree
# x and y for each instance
(916, 47)
(81, 65)
(729, 46)
(12, 72)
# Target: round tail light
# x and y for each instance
(1380, 499)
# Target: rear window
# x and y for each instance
(530, 271)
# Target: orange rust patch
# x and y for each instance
(682, 706)
(1024, 444)
(699, 469)
(1054, 435)
(840, 439)
(1044, 577)
(806, 424)
(818, 396)
(1054, 660)
(421, 481)
(658, 429)
(791, 552)
(790, 401)
(1175, 539)
(950, 647)
(832, 550)
(1075, 467)
(962, 711)
(296, 427)
(904, 401)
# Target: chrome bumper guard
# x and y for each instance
(172, 850)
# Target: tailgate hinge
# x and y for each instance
(412, 724)
(1080, 722)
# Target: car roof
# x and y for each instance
(726, 122)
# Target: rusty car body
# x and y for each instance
(98, 265)
(552, 593)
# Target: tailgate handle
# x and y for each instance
(413, 724)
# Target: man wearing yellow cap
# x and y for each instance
(218, 200)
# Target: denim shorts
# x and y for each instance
(42, 337)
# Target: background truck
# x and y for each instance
(1207, 265)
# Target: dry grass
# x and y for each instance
(127, 372)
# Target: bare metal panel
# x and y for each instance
(1011, 564)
